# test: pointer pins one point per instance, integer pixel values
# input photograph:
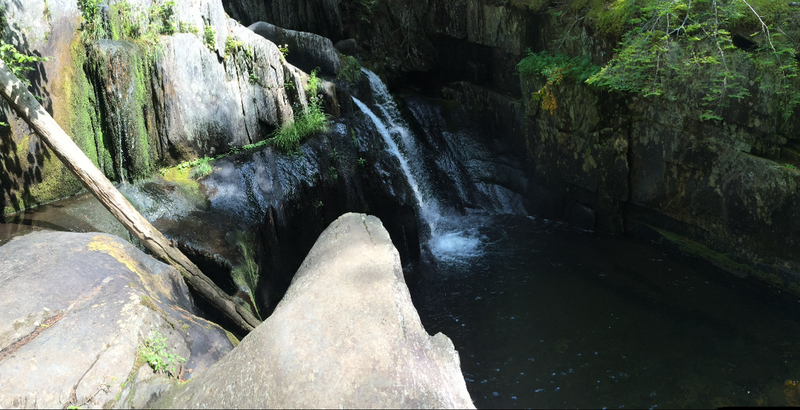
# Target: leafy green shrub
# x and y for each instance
(554, 69)
(312, 85)
(209, 37)
(19, 64)
(288, 137)
(202, 169)
(578, 69)
(184, 27)
(350, 71)
(231, 45)
(164, 15)
(158, 356)
(284, 49)
(687, 48)
(92, 24)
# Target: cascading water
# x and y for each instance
(448, 240)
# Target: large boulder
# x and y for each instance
(76, 312)
(306, 50)
(345, 335)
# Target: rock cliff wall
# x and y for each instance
(140, 85)
(724, 189)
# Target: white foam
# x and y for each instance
(455, 246)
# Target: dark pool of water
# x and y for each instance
(553, 317)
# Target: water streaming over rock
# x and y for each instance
(449, 240)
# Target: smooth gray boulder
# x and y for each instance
(307, 51)
(345, 335)
(75, 310)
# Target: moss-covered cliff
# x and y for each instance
(139, 85)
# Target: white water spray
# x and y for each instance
(448, 242)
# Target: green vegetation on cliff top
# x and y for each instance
(714, 51)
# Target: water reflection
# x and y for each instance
(549, 316)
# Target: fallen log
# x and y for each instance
(29, 109)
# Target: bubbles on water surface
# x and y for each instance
(457, 246)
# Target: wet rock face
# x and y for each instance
(277, 204)
(472, 170)
(345, 335)
(74, 311)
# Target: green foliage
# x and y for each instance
(333, 174)
(231, 45)
(210, 37)
(362, 162)
(312, 85)
(254, 78)
(288, 137)
(19, 64)
(92, 24)
(156, 354)
(202, 169)
(790, 166)
(685, 49)
(577, 69)
(184, 27)
(124, 21)
(284, 49)
(164, 14)
(197, 168)
(350, 72)
(554, 69)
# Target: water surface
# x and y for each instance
(549, 316)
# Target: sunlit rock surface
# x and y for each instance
(345, 335)
(74, 309)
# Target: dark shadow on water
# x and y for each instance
(553, 317)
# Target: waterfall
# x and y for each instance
(448, 241)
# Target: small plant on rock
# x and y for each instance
(156, 354)
(209, 37)
(231, 45)
(313, 82)
(288, 137)
(284, 49)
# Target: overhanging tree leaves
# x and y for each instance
(673, 46)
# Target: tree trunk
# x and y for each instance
(27, 108)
